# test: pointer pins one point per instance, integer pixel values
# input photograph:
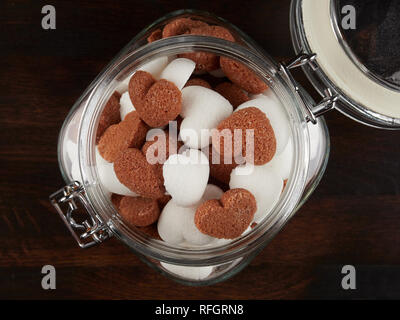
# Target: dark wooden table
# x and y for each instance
(353, 217)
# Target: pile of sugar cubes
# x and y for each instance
(194, 149)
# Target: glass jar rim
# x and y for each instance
(265, 230)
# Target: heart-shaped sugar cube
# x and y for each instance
(228, 217)
(139, 211)
(178, 71)
(129, 133)
(156, 102)
(246, 133)
(202, 110)
(239, 74)
(133, 171)
(186, 176)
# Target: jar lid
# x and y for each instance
(356, 44)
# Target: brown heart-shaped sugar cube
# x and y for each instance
(212, 31)
(157, 103)
(228, 217)
(162, 202)
(180, 26)
(139, 211)
(239, 74)
(206, 61)
(116, 200)
(154, 36)
(134, 172)
(233, 93)
(139, 84)
(129, 133)
(151, 231)
(198, 82)
(109, 116)
(254, 125)
(163, 103)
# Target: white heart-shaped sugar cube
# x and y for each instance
(282, 163)
(198, 100)
(72, 150)
(271, 94)
(263, 182)
(315, 134)
(155, 67)
(123, 85)
(190, 232)
(178, 71)
(192, 273)
(186, 176)
(76, 171)
(108, 178)
(276, 116)
(126, 105)
(170, 224)
(194, 133)
(202, 109)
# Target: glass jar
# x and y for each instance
(100, 220)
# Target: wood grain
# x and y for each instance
(352, 218)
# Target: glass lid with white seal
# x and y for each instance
(352, 49)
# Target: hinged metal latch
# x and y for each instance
(87, 233)
(312, 111)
